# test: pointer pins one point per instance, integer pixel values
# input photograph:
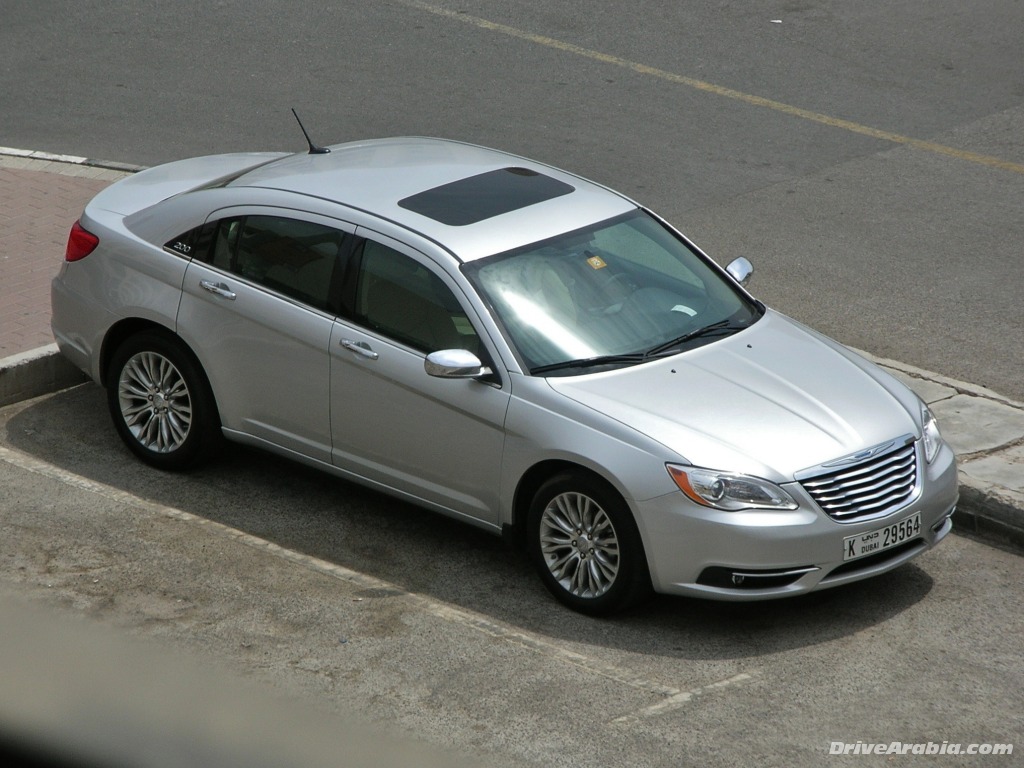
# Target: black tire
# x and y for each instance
(161, 402)
(586, 546)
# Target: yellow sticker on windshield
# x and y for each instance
(596, 262)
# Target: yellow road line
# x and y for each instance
(729, 93)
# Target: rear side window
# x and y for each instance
(296, 258)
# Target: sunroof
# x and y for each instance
(480, 197)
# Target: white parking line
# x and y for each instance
(681, 699)
(672, 697)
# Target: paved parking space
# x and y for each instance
(867, 157)
(364, 605)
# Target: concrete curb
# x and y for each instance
(986, 513)
(34, 373)
(50, 157)
(961, 387)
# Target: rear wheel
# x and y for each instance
(160, 401)
(586, 546)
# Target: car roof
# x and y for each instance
(472, 200)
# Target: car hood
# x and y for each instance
(771, 400)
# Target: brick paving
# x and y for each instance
(39, 201)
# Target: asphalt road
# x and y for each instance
(868, 157)
(374, 610)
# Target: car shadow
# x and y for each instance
(421, 552)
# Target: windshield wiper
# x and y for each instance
(722, 326)
(590, 362)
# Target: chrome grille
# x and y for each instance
(870, 489)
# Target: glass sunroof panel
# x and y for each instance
(485, 195)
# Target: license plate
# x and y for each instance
(881, 538)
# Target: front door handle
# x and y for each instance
(360, 348)
(218, 288)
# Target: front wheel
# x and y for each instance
(160, 401)
(586, 546)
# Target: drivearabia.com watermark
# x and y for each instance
(918, 748)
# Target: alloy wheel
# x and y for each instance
(579, 545)
(154, 401)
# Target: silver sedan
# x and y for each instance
(509, 344)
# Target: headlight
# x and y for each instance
(930, 434)
(722, 490)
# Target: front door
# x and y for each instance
(438, 441)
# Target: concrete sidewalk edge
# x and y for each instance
(984, 510)
(962, 387)
(51, 157)
(36, 372)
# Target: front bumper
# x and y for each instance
(760, 554)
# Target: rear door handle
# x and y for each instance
(217, 288)
(360, 348)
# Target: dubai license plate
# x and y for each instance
(881, 539)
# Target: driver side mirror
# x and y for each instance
(455, 364)
(740, 270)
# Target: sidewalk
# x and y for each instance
(41, 196)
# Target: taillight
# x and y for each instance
(80, 243)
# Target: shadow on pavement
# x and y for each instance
(422, 552)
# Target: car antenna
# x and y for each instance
(313, 148)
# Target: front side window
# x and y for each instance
(620, 292)
(401, 298)
(293, 257)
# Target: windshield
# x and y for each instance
(618, 293)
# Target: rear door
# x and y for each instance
(257, 308)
